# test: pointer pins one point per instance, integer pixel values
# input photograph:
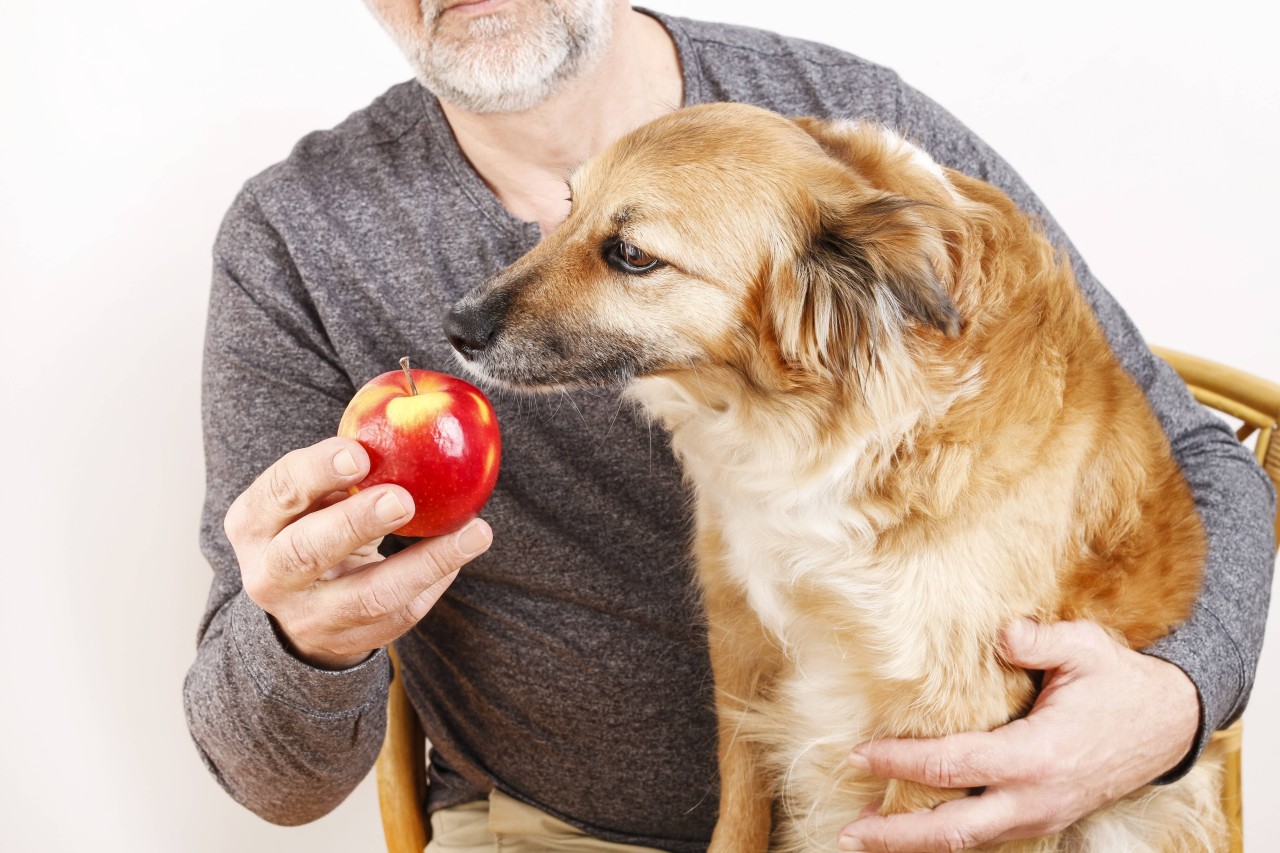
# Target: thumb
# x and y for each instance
(1036, 645)
(473, 540)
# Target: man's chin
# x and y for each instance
(507, 57)
(484, 87)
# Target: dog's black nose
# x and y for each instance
(469, 329)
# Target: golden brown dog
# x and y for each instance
(904, 429)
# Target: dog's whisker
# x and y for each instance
(564, 393)
(617, 410)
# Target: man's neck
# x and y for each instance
(525, 157)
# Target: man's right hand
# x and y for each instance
(308, 554)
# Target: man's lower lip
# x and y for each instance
(475, 7)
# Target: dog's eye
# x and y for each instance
(628, 258)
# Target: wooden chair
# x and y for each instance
(1255, 402)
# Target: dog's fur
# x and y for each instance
(904, 429)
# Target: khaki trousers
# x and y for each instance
(506, 825)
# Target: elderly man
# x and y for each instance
(562, 678)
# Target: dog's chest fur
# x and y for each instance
(804, 540)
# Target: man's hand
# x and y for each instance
(1107, 721)
(308, 554)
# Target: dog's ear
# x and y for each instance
(898, 244)
(869, 270)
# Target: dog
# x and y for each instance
(903, 428)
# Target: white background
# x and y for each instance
(127, 126)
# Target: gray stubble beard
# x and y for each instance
(496, 68)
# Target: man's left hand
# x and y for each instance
(1108, 720)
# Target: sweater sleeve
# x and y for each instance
(285, 739)
(1218, 646)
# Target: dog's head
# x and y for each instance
(723, 235)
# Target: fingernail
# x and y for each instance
(474, 538)
(859, 761)
(389, 508)
(344, 463)
(850, 842)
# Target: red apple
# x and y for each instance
(433, 434)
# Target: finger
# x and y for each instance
(350, 639)
(1058, 645)
(357, 561)
(965, 760)
(399, 591)
(292, 486)
(307, 549)
(954, 825)
(333, 498)
(369, 549)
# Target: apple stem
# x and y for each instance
(404, 365)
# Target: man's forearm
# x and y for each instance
(286, 740)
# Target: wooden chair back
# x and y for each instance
(401, 766)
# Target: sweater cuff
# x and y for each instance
(1203, 649)
(284, 678)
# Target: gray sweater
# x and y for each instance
(567, 666)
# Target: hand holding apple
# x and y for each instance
(435, 435)
(307, 559)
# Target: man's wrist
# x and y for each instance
(315, 657)
(281, 675)
(1203, 649)
(1185, 716)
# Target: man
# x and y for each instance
(562, 678)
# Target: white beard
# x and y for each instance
(510, 60)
